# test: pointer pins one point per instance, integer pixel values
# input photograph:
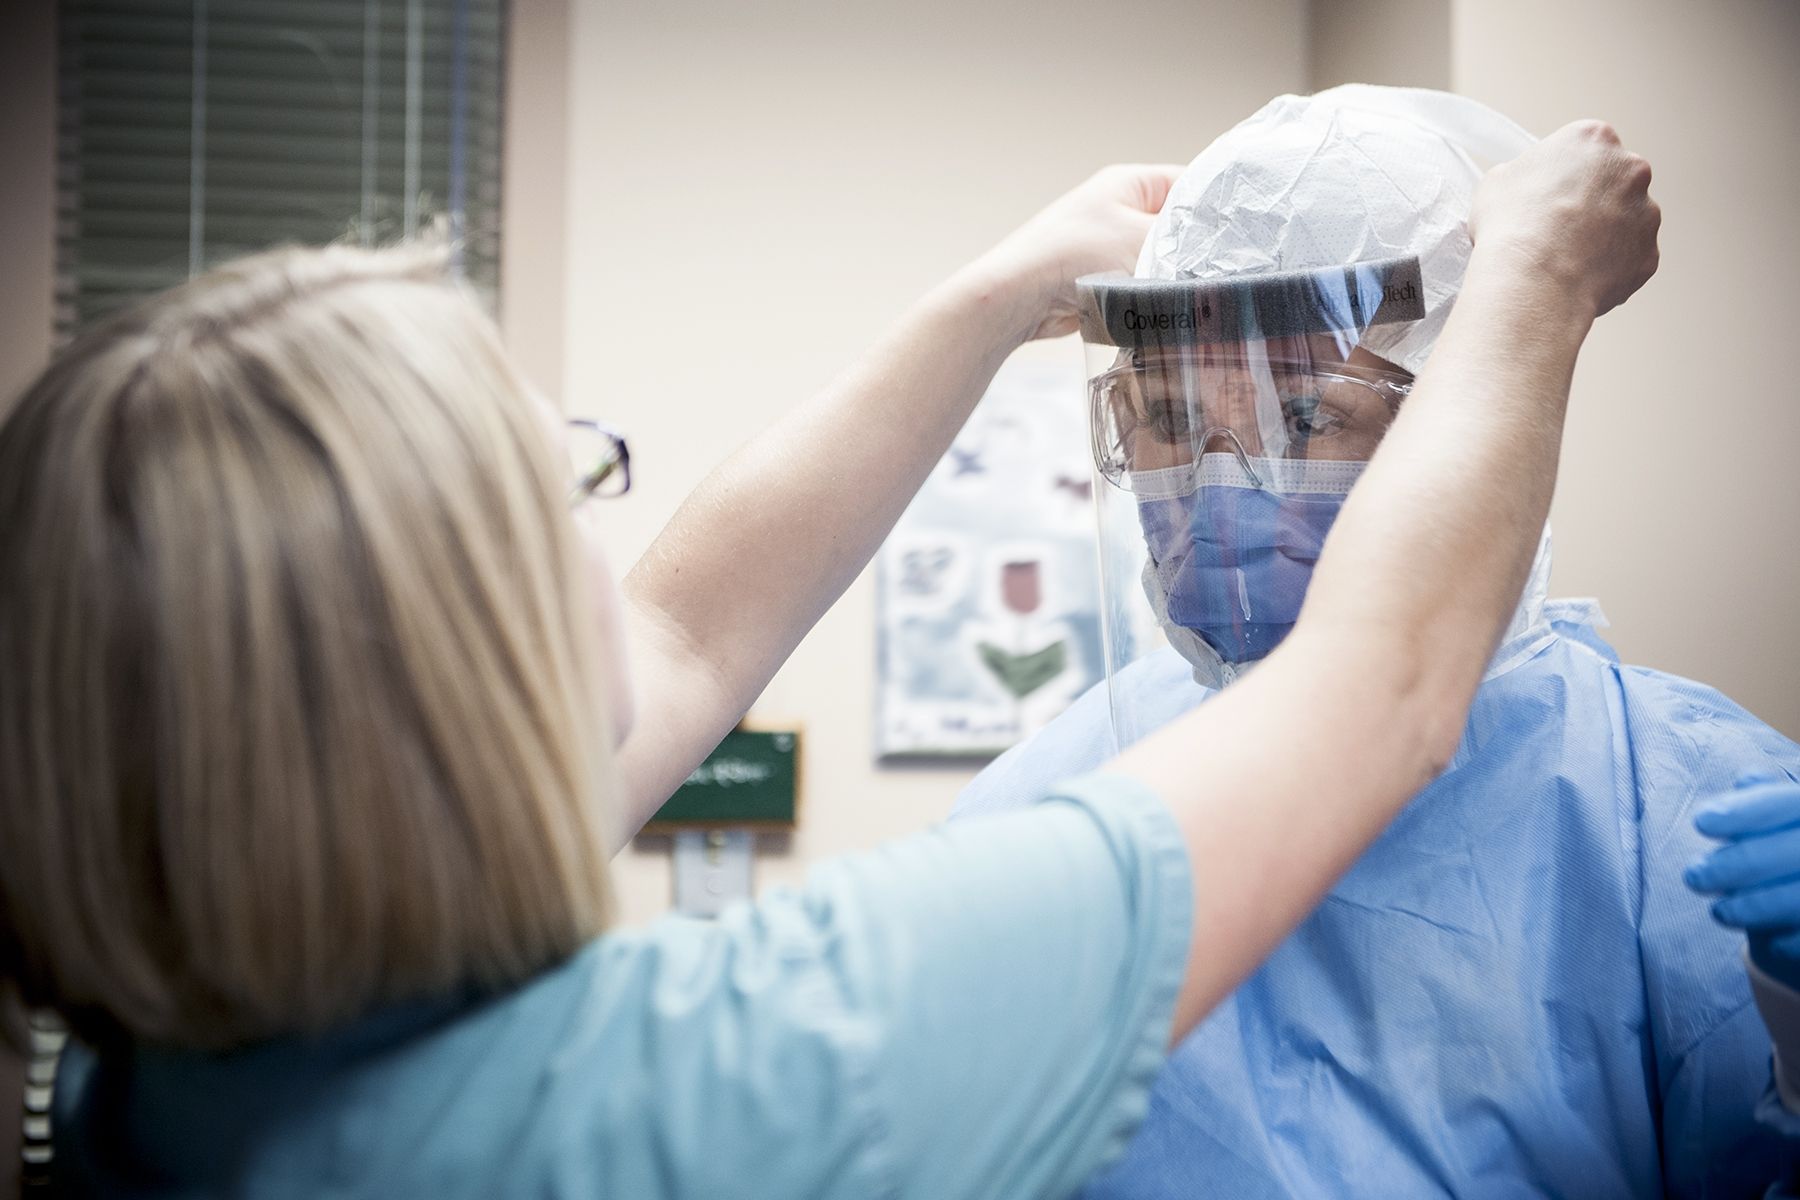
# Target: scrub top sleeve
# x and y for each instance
(1017, 976)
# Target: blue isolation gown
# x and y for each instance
(1511, 995)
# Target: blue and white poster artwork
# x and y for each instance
(988, 589)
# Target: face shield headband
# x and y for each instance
(1153, 314)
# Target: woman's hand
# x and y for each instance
(1756, 873)
(1576, 210)
(1099, 226)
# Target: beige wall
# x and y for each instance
(792, 175)
(535, 191)
(1402, 43)
(1679, 503)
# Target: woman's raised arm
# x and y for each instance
(772, 537)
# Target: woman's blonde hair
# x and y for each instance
(298, 708)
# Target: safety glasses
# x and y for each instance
(1151, 418)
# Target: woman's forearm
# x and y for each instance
(1437, 539)
(774, 535)
(1279, 783)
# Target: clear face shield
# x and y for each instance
(1229, 418)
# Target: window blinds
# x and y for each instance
(193, 131)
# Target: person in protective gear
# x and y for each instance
(1235, 415)
(1513, 992)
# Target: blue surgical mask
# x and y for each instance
(1233, 558)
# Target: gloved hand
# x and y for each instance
(1756, 873)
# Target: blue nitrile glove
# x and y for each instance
(1756, 873)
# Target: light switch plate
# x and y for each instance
(712, 869)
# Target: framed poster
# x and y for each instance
(987, 590)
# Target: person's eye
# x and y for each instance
(1309, 417)
(1168, 421)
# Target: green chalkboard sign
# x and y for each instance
(752, 780)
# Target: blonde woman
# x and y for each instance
(316, 734)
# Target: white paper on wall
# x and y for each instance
(988, 592)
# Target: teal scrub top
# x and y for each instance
(977, 1011)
